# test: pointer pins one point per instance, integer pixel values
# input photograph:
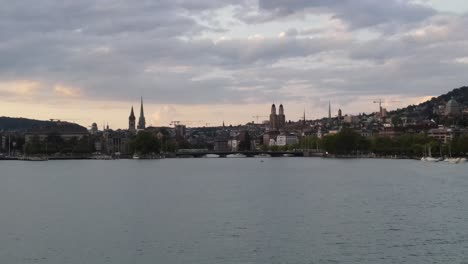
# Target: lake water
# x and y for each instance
(236, 211)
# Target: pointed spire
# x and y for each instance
(141, 108)
(132, 114)
(329, 109)
(141, 120)
(131, 121)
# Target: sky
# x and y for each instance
(208, 61)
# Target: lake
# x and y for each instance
(235, 211)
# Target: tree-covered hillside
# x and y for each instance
(23, 124)
(426, 108)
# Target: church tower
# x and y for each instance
(131, 121)
(273, 118)
(281, 117)
(141, 120)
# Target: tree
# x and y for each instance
(33, 146)
(347, 141)
(146, 143)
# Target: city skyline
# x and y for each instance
(226, 60)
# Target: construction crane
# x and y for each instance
(258, 117)
(174, 123)
(380, 101)
(188, 122)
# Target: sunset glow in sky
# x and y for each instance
(213, 60)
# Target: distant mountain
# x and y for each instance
(24, 124)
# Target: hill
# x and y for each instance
(24, 124)
(426, 110)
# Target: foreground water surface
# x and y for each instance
(284, 210)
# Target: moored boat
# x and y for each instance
(237, 155)
(34, 158)
(211, 156)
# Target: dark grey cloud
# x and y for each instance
(122, 49)
(359, 14)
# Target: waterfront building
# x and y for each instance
(286, 140)
(116, 142)
(233, 145)
(141, 120)
(390, 132)
(221, 141)
(444, 134)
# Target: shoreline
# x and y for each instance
(330, 156)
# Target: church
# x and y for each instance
(277, 121)
(141, 121)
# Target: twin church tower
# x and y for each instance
(277, 121)
(141, 120)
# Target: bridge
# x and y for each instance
(250, 154)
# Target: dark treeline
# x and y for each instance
(55, 144)
(349, 142)
(148, 143)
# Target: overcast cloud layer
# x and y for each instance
(229, 52)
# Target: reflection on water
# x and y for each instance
(285, 210)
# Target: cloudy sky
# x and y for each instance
(213, 60)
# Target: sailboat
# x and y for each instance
(429, 156)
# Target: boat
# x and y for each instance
(101, 157)
(34, 158)
(211, 156)
(262, 156)
(135, 156)
(452, 160)
(237, 155)
(429, 157)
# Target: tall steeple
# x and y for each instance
(273, 109)
(329, 109)
(304, 118)
(131, 121)
(273, 118)
(281, 117)
(141, 120)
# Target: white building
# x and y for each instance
(233, 145)
(286, 140)
(443, 134)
